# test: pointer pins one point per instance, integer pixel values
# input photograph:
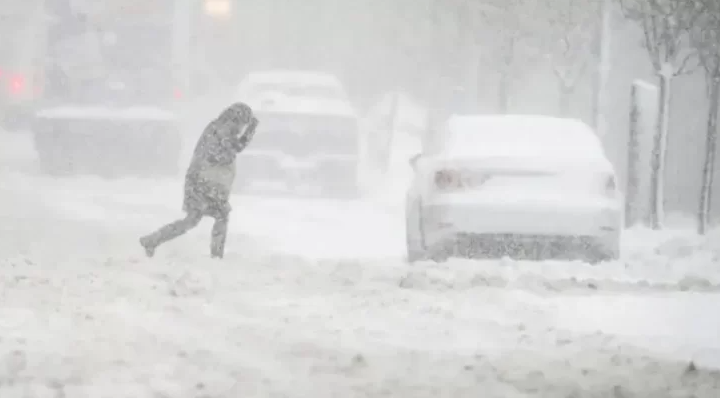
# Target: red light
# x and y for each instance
(177, 94)
(448, 179)
(17, 84)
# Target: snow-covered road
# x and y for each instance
(314, 300)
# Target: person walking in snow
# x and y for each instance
(209, 179)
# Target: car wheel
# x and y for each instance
(603, 252)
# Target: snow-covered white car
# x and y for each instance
(521, 186)
(308, 140)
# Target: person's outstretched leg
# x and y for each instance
(169, 232)
(219, 235)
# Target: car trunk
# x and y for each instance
(524, 179)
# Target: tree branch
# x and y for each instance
(666, 26)
(683, 68)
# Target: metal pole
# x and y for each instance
(603, 68)
(181, 43)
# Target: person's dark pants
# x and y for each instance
(180, 227)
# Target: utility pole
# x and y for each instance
(602, 74)
(181, 43)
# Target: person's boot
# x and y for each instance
(219, 235)
(148, 245)
(168, 232)
(217, 248)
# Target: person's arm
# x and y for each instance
(247, 136)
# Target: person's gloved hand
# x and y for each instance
(247, 134)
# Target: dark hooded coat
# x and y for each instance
(210, 177)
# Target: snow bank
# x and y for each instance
(685, 328)
(669, 260)
(84, 314)
(95, 322)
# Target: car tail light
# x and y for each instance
(610, 186)
(17, 84)
(448, 180)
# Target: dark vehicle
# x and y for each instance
(18, 56)
(110, 83)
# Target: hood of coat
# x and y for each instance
(233, 120)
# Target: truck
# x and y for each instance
(112, 75)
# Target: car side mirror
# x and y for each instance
(414, 159)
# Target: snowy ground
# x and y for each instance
(314, 300)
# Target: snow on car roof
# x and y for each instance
(521, 135)
(270, 99)
(293, 77)
(318, 106)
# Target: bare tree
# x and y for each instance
(501, 34)
(705, 39)
(603, 52)
(573, 27)
(666, 26)
(513, 30)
